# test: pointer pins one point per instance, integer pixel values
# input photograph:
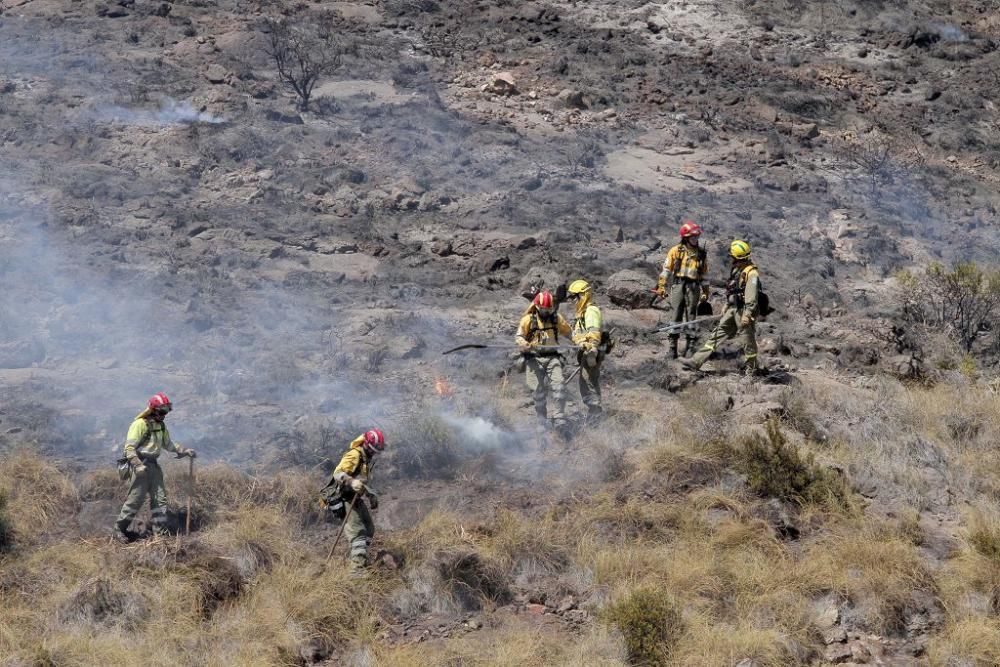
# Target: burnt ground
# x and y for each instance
(170, 221)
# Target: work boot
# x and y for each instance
(689, 364)
(691, 347)
(594, 415)
(120, 533)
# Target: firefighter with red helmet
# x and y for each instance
(147, 437)
(683, 280)
(350, 485)
(537, 337)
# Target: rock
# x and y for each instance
(21, 354)
(805, 130)
(474, 624)
(407, 347)
(630, 289)
(491, 264)
(535, 609)
(837, 653)
(781, 517)
(532, 184)
(312, 652)
(860, 653)
(827, 612)
(502, 83)
(162, 10)
(568, 98)
(568, 603)
(834, 635)
(442, 248)
(216, 73)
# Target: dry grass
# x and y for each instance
(676, 517)
(972, 641)
(877, 568)
(513, 645)
(37, 493)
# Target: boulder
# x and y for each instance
(630, 289)
(216, 73)
(502, 83)
(569, 98)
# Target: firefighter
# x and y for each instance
(683, 281)
(588, 334)
(540, 327)
(350, 484)
(740, 316)
(147, 437)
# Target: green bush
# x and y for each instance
(776, 469)
(650, 622)
(6, 530)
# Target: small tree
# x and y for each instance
(872, 154)
(302, 53)
(963, 301)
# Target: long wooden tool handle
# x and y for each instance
(342, 527)
(187, 526)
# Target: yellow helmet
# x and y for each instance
(579, 287)
(739, 250)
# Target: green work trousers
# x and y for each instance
(729, 327)
(684, 298)
(149, 483)
(590, 383)
(359, 531)
(545, 379)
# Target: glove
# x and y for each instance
(357, 486)
(661, 291)
(139, 469)
(190, 453)
(704, 297)
(746, 321)
(373, 502)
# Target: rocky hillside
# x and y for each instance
(172, 218)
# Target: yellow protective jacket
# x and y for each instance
(588, 324)
(147, 438)
(684, 262)
(354, 463)
(533, 330)
(744, 290)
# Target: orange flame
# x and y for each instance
(442, 387)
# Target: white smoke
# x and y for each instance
(479, 433)
(170, 112)
(950, 33)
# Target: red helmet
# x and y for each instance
(690, 228)
(374, 442)
(159, 403)
(544, 300)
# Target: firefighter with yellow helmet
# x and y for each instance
(742, 309)
(588, 327)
